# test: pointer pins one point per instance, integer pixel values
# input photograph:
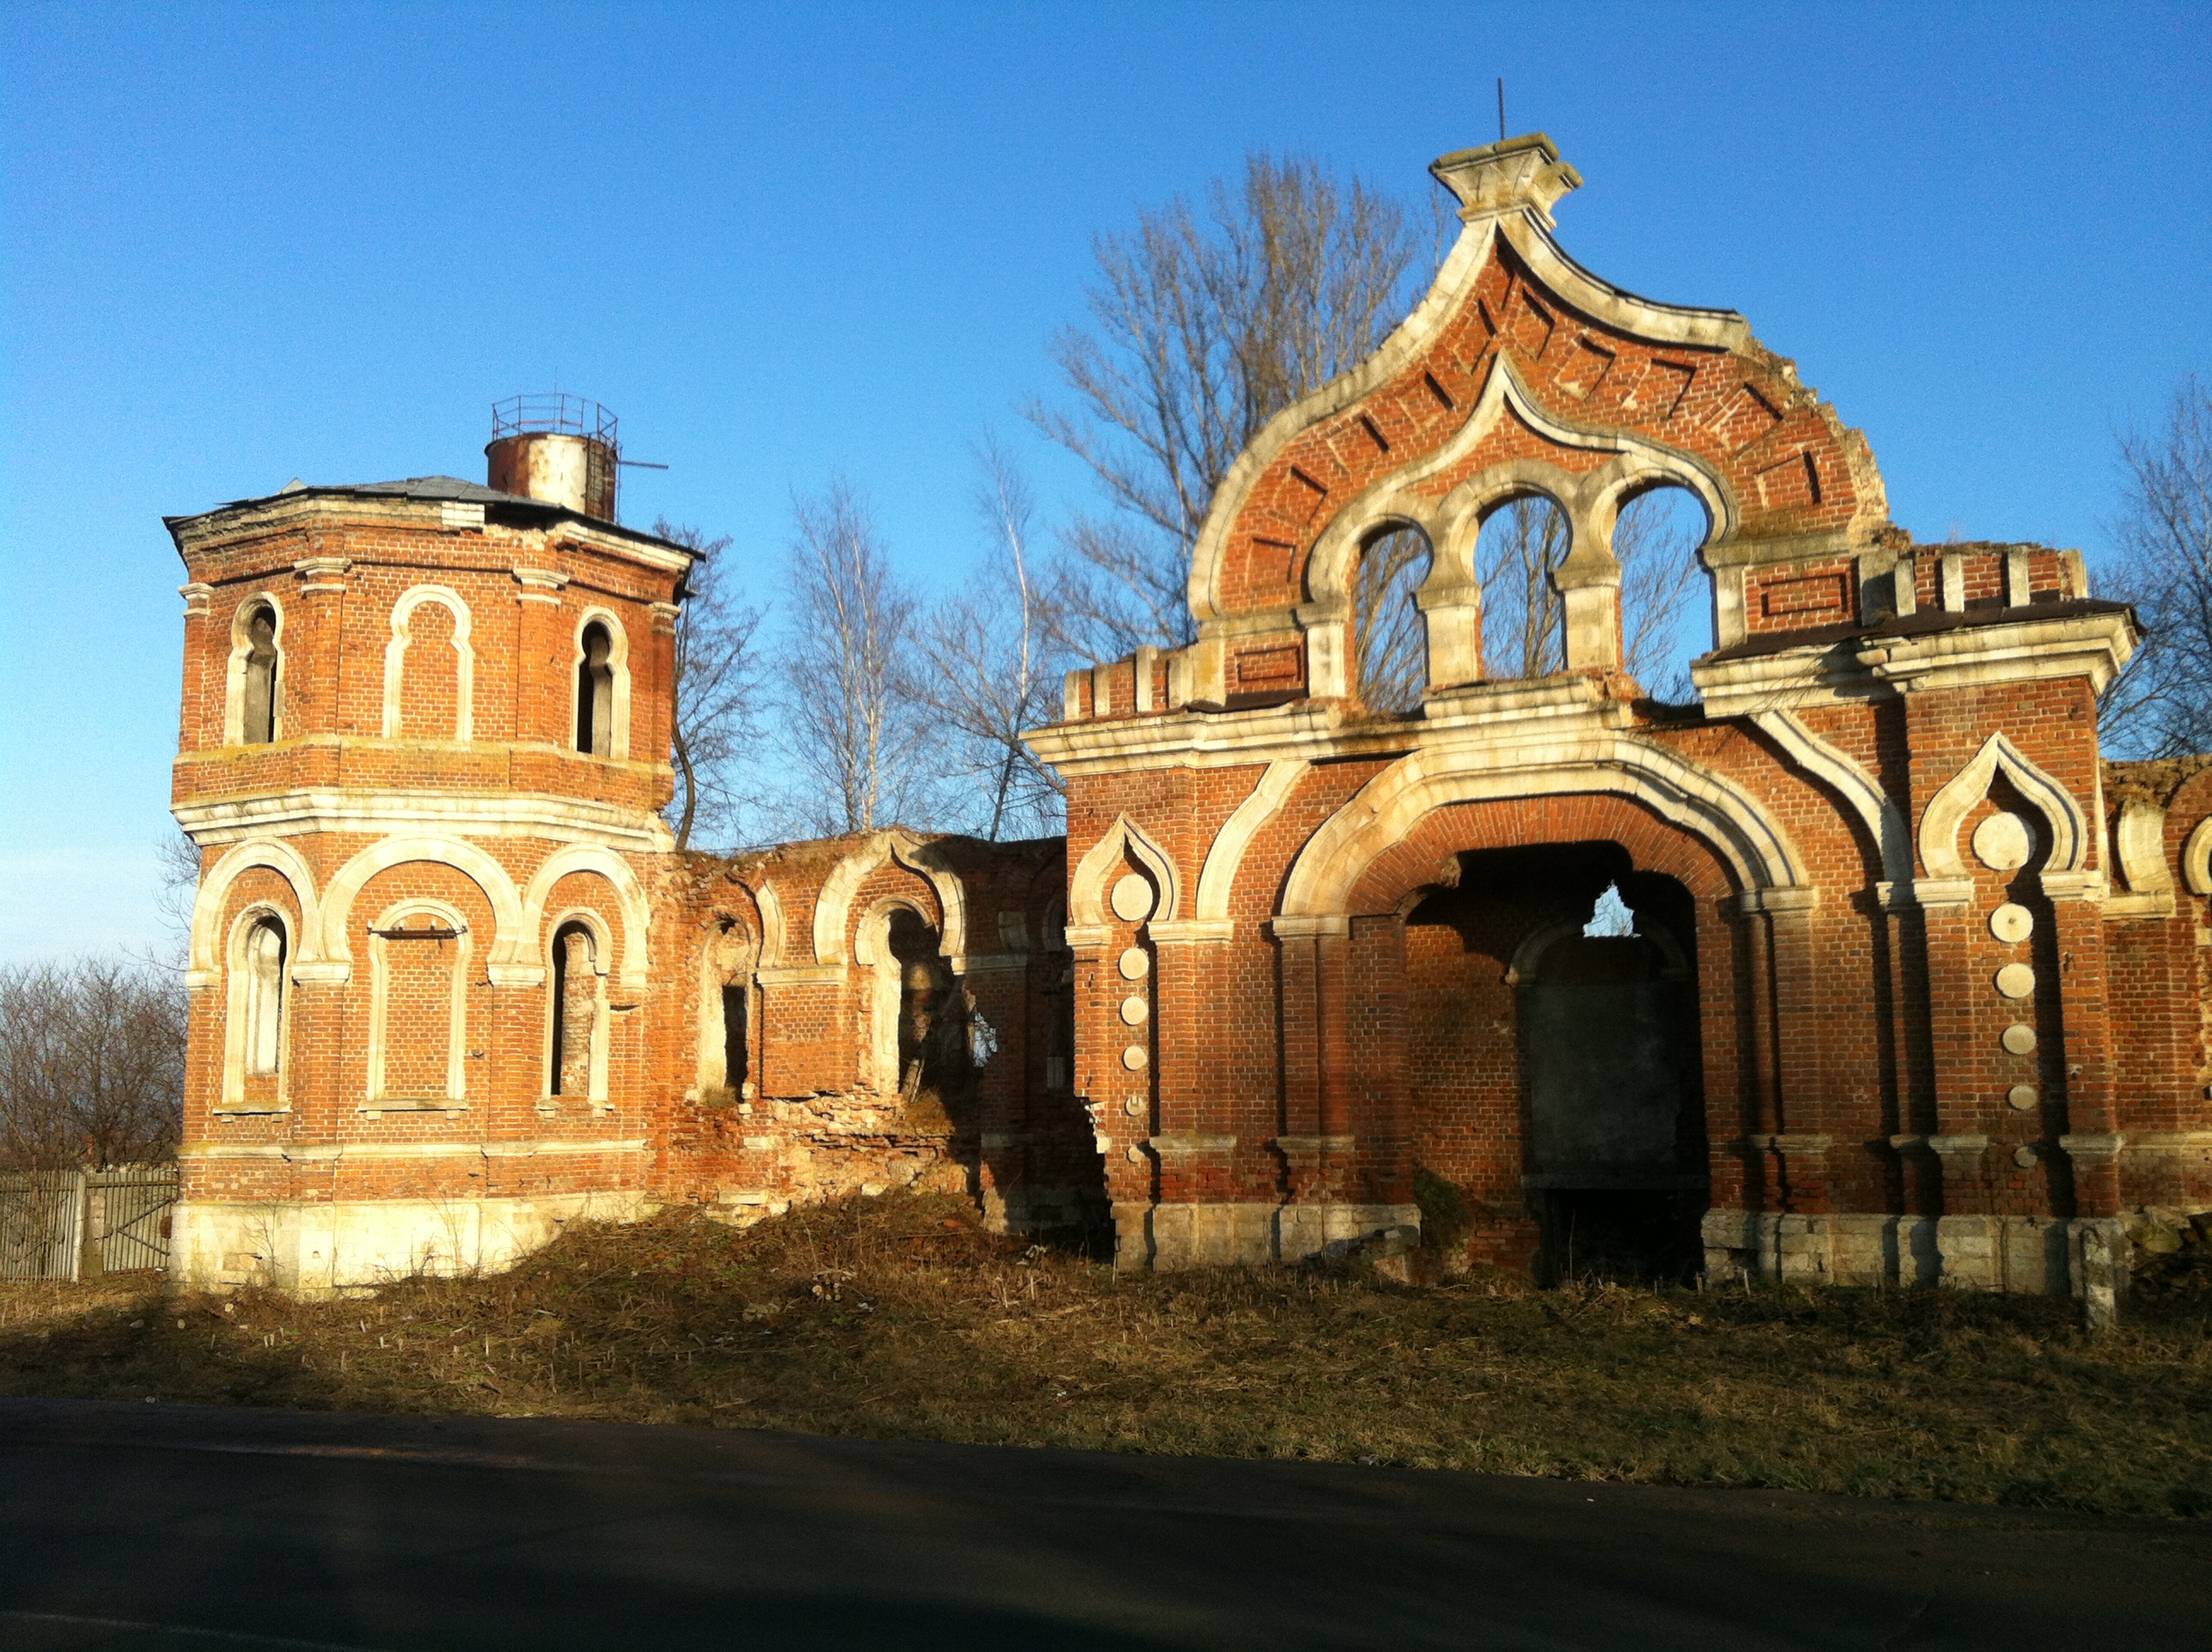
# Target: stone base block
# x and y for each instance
(1163, 1238)
(2032, 1254)
(318, 1249)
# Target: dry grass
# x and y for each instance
(899, 1318)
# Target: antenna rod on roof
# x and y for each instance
(1501, 108)
(641, 464)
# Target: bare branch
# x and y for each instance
(2161, 706)
(717, 689)
(1201, 331)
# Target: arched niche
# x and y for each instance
(403, 647)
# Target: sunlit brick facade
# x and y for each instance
(1908, 983)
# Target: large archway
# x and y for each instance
(1554, 1086)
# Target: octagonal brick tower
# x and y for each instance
(423, 747)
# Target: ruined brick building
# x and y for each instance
(1913, 987)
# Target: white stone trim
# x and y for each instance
(1708, 805)
(457, 1013)
(237, 987)
(1876, 810)
(202, 967)
(630, 895)
(2197, 858)
(594, 923)
(515, 814)
(1940, 821)
(1217, 879)
(2139, 845)
(234, 692)
(1087, 887)
(872, 950)
(505, 964)
(772, 924)
(618, 666)
(833, 907)
(464, 658)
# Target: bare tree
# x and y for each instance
(1522, 545)
(847, 728)
(1661, 581)
(1203, 328)
(1523, 615)
(716, 688)
(989, 664)
(2161, 706)
(1389, 641)
(92, 1062)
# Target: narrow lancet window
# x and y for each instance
(575, 1011)
(264, 997)
(259, 689)
(595, 694)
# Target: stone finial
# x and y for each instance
(1521, 175)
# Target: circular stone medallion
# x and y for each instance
(1135, 963)
(1135, 1010)
(2022, 1097)
(2002, 842)
(1134, 1058)
(2015, 980)
(1136, 1154)
(2024, 1158)
(2012, 923)
(1135, 1107)
(2019, 1039)
(1133, 898)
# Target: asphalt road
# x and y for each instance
(142, 1527)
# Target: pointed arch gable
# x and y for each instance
(833, 907)
(204, 963)
(1758, 853)
(505, 965)
(630, 894)
(1688, 388)
(1939, 823)
(1086, 886)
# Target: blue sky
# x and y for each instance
(241, 244)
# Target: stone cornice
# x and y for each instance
(505, 814)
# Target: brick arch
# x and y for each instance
(1691, 800)
(833, 907)
(1653, 844)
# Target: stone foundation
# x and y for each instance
(315, 1249)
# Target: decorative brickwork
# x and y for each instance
(1903, 980)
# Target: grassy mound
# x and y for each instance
(899, 1317)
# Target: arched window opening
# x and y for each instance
(1666, 608)
(264, 997)
(932, 1038)
(1389, 641)
(576, 1009)
(258, 691)
(595, 693)
(737, 1068)
(1520, 548)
